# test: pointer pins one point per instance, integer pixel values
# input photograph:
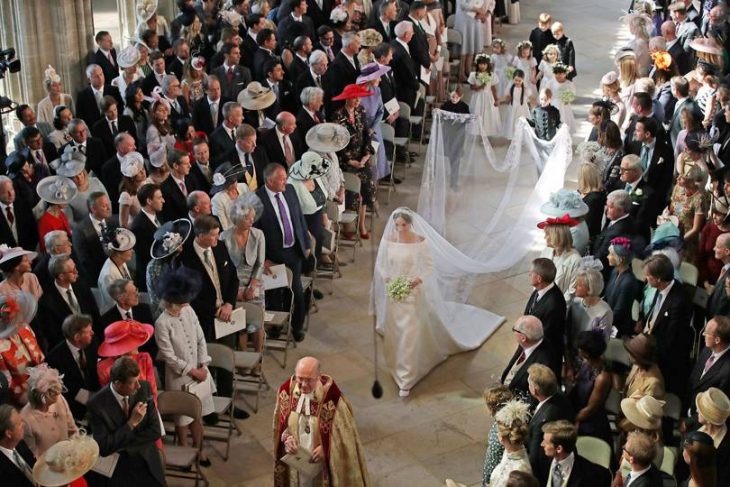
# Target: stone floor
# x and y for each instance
(440, 431)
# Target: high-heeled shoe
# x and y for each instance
(365, 236)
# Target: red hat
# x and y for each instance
(122, 337)
(562, 220)
(353, 91)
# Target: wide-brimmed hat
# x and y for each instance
(609, 78)
(70, 163)
(178, 286)
(145, 9)
(225, 175)
(713, 405)
(158, 155)
(353, 91)
(565, 201)
(256, 97)
(16, 308)
(645, 412)
(8, 253)
(132, 164)
(128, 57)
(678, 5)
(370, 37)
(15, 161)
(666, 235)
(121, 337)
(311, 165)
(642, 348)
(370, 72)
(327, 137)
(118, 239)
(562, 220)
(707, 45)
(66, 461)
(57, 190)
(170, 237)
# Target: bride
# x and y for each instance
(423, 328)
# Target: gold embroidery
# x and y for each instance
(326, 416)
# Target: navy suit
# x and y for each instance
(110, 70)
(550, 309)
(555, 408)
(86, 107)
(61, 359)
(231, 88)
(11, 474)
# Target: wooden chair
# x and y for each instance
(222, 357)
(182, 461)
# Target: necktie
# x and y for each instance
(99, 97)
(288, 154)
(315, 117)
(386, 27)
(111, 59)
(206, 255)
(330, 54)
(72, 301)
(39, 157)
(521, 358)
(214, 112)
(249, 165)
(627, 480)
(82, 360)
(628, 187)
(557, 476)
(710, 360)
(229, 75)
(146, 69)
(157, 222)
(644, 157)
(82, 149)
(288, 234)
(275, 89)
(125, 274)
(176, 106)
(11, 217)
(319, 81)
(23, 466)
(233, 135)
(114, 127)
(654, 312)
(128, 315)
(183, 188)
(125, 406)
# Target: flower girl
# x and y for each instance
(550, 56)
(518, 97)
(500, 61)
(483, 100)
(563, 94)
(526, 62)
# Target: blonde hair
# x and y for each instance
(496, 397)
(589, 178)
(542, 378)
(627, 72)
(560, 237)
(516, 433)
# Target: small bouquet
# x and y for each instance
(484, 78)
(509, 72)
(399, 289)
(566, 97)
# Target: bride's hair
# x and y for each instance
(403, 214)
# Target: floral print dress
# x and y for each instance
(685, 208)
(17, 353)
(359, 146)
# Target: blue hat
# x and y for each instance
(565, 201)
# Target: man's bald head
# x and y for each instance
(308, 364)
(306, 374)
(529, 327)
(669, 30)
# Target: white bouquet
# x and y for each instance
(566, 97)
(399, 289)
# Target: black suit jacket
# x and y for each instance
(61, 359)
(111, 176)
(543, 354)
(89, 249)
(339, 74)
(248, 48)
(585, 473)
(141, 313)
(101, 131)
(11, 474)
(718, 302)
(204, 302)
(270, 143)
(175, 66)
(287, 30)
(717, 376)
(651, 478)
(110, 70)
(144, 230)
(673, 337)
(645, 207)
(555, 408)
(53, 309)
(284, 101)
(220, 144)
(202, 119)
(296, 68)
(304, 80)
(567, 54)
(201, 180)
(149, 83)
(319, 16)
(260, 161)
(95, 155)
(241, 79)
(304, 123)
(405, 74)
(27, 233)
(260, 56)
(659, 175)
(622, 228)
(111, 432)
(184, 111)
(176, 203)
(550, 309)
(86, 107)
(419, 45)
(269, 224)
(681, 58)
(377, 24)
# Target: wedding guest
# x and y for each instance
(710, 266)
(690, 204)
(594, 196)
(16, 472)
(713, 408)
(547, 303)
(62, 117)
(712, 367)
(621, 224)
(57, 192)
(160, 130)
(66, 462)
(699, 453)
(225, 190)
(645, 202)
(137, 109)
(645, 378)
(622, 286)
(54, 87)
(496, 398)
(639, 452)
(15, 264)
(167, 246)
(567, 467)
(88, 236)
(470, 20)
(133, 177)
(592, 386)
(73, 167)
(512, 432)
(119, 244)
(560, 250)
(643, 414)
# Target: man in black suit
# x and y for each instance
(177, 186)
(223, 138)
(87, 236)
(106, 56)
(712, 368)
(620, 224)
(112, 124)
(57, 242)
(76, 358)
(657, 158)
(552, 405)
(681, 58)
(310, 114)
(111, 171)
(287, 240)
(182, 54)
(266, 41)
(251, 157)
(13, 232)
(127, 307)
(201, 169)
(644, 201)
(124, 420)
(532, 349)
(405, 69)
(172, 91)
(314, 75)
(144, 226)
(319, 11)
(559, 445)
(89, 100)
(669, 321)
(680, 90)
(17, 471)
(208, 112)
(66, 296)
(343, 71)
(302, 48)
(232, 76)
(418, 44)
(40, 149)
(280, 86)
(295, 23)
(27, 117)
(718, 302)
(639, 452)
(547, 302)
(91, 147)
(327, 43)
(282, 143)
(154, 79)
(642, 106)
(385, 21)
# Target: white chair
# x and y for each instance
(673, 406)
(613, 408)
(615, 352)
(222, 357)
(669, 461)
(689, 273)
(594, 450)
(450, 21)
(182, 461)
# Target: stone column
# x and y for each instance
(127, 21)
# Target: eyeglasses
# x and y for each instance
(625, 169)
(518, 331)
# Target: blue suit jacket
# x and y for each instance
(269, 224)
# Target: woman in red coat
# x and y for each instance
(57, 191)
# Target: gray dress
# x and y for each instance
(249, 262)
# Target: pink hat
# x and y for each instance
(122, 337)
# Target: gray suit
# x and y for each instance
(45, 129)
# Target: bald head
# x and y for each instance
(528, 330)
(307, 364)
(669, 30)
(306, 374)
(286, 123)
(722, 248)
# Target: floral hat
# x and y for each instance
(16, 309)
(66, 461)
(132, 164)
(551, 48)
(522, 45)
(231, 17)
(57, 190)
(311, 165)
(198, 63)
(563, 220)
(560, 68)
(70, 163)
(118, 239)
(338, 15)
(514, 410)
(621, 246)
(51, 75)
(370, 37)
(590, 263)
(662, 60)
(145, 9)
(565, 201)
(170, 237)
(129, 57)
(224, 176)
(482, 57)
